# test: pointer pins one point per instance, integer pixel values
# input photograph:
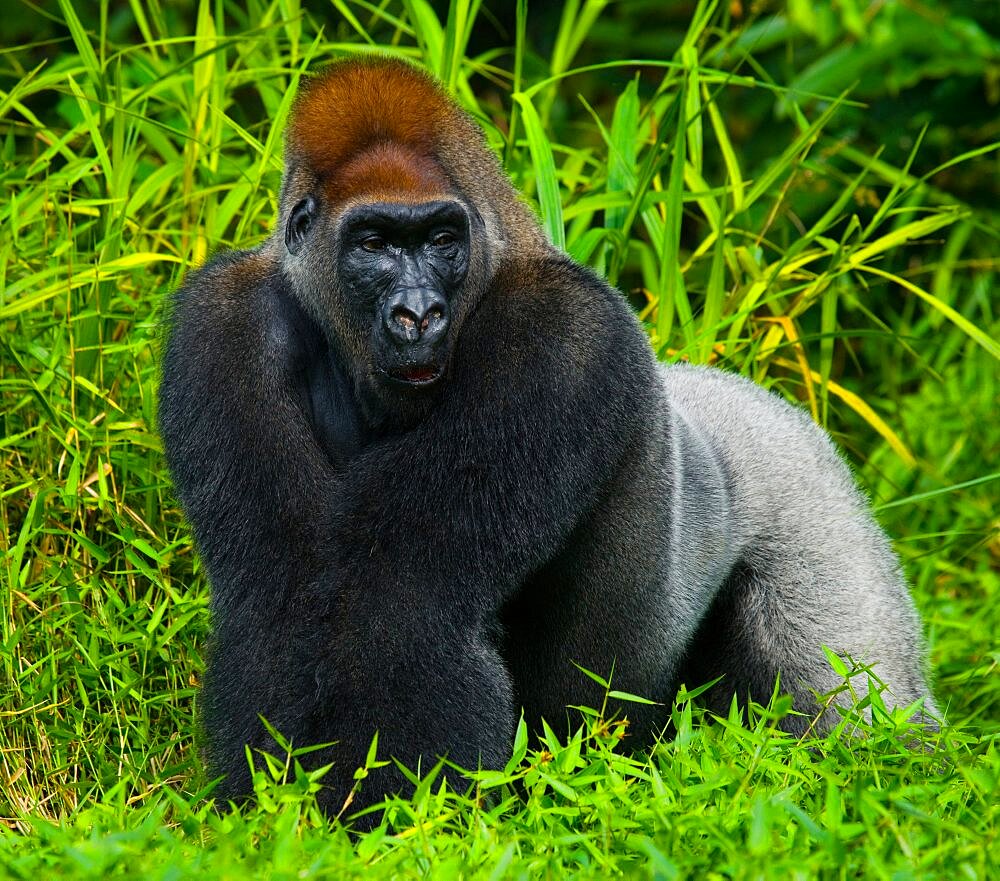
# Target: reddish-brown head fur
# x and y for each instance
(371, 128)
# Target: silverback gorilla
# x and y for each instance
(431, 463)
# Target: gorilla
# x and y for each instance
(431, 464)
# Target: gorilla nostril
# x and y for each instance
(434, 314)
(416, 320)
(405, 318)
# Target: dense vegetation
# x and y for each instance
(807, 194)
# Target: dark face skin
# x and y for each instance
(400, 269)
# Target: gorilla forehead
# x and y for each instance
(342, 112)
(386, 170)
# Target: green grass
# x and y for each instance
(735, 194)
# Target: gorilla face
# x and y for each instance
(400, 269)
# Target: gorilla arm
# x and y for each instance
(439, 526)
(365, 598)
(254, 485)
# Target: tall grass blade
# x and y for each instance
(549, 200)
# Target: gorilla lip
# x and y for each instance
(417, 375)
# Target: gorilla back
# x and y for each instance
(431, 463)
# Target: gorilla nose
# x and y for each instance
(415, 317)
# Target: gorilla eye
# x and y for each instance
(443, 239)
(373, 244)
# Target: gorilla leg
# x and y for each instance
(430, 685)
(772, 618)
(813, 568)
(601, 603)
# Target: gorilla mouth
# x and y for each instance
(417, 375)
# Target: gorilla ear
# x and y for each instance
(299, 222)
(476, 219)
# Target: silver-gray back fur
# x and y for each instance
(760, 487)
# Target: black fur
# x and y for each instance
(359, 579)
